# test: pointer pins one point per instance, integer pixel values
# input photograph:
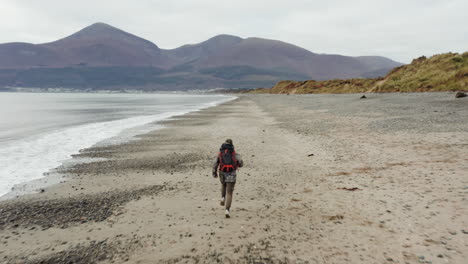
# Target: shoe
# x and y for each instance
(226, 213)
(222, 202)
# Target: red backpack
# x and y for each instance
(227, 158)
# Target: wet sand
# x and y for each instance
(327, 179)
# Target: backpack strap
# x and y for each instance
(234, 160)
(220, 158)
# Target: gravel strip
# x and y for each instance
(395, 112)
(117, 249)
(63, 212)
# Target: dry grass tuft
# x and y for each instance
(340, 173)
(335, 217)
(391, 164)
(364, 169)
(441, 161)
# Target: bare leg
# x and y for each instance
(229, 193)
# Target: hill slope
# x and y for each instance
(93, 46)
(226, 51)
(444, 72)
(103, 45)
(104, 57)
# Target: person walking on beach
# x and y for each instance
(227, 163)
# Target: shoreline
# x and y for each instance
(53, 175)
(337, 180)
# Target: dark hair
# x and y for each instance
(229, 141)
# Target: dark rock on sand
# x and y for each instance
(460, 95)
(94, 252)
(168, 163)
(62, 212)
(363, 97)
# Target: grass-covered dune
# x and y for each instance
(443, 72)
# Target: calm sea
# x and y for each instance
(38, 131)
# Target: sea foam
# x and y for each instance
(30, 158)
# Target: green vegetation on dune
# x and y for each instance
(444, 72)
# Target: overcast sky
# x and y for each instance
(398, 29)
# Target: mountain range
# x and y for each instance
(104, 57)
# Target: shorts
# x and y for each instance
(227, 176)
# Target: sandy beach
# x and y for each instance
(327, 179)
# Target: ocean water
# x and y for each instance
(39, 131)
